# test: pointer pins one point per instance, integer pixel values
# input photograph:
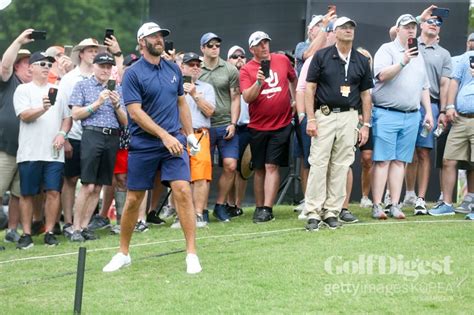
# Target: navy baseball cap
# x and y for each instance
(206, 38)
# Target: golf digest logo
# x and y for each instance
(388, 265)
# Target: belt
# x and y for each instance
(200, 130)
(334, 109)
(397, 110)
(466, 115)
(105, 131)
(434, 100)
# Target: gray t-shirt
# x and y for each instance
(402, 92)
(9, 123)
(199, 119)
(438, 65)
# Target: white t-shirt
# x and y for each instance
(35, 142)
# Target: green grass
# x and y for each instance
(270, 268)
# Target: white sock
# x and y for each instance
(410, 193)
(441, 196)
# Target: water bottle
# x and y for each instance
(55, 152)
(439, 130)
(426, 130)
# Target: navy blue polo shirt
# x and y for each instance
(156, 88)
(327, 69)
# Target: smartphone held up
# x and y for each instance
(413, 42)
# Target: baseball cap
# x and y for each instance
(53, 51)
(330, 27)
(256, 37)
(104, 58)
(22, 53)
(233, 49)
(206, 38)
(405, 19)
(315, 19)
(151, 28)
(129, 60)
(190, 56)
(343, 20)
(40, 55)
(471, 37)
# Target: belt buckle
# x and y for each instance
(106, 131)
(336, 110)
(325, 110)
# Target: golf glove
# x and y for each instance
(193, 145)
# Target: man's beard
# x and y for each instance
(152, 50)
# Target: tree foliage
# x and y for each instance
(67, 22)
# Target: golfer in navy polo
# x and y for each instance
(158, 113)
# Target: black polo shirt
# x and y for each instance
(327, 69)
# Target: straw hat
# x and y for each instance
(245, 166)
(88, 42)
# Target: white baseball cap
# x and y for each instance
(233, 49)
(151, 28)
(315, 19)
(343, 20)
(257, 37)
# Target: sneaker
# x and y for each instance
(220, 213)
(115, 230)
(409, 200)
(67, 230)
(205, 215)
(168, 212)
(346, 216)
(141, 227)
(153, 218)
(50, 239)
(37, 228)
(12, 236)
(303, 216)
(299, 207)
(256, 212)
(420, 207)
(3, 218)
(396, 212)
(465, 206)
(332, 223)
(263, 214)
(25, 242)
(200, 223)
(386, 209)
(470, 216)
(98, 222)
(234, 211)
(57, 229)
(442, 209)
(193, 265)
(378, 212)
(365, 202)
(387, 200)
(118, 261)
(176, 224)
(89, 235)
(312, 225)
(76, 236)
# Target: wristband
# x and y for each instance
(402, 64)
(64, 133)
(90, 109)
(233, 124)
(117, 106)
(258, 83)
(442, 112)
(367, 125)
(118, 54)
(312, 119)
(450, 106)
(301, 115)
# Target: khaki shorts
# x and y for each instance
(9, 176)
(460, 143)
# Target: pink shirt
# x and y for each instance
(304, 72)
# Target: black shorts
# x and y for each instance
(72, 166)
(98, 153)
(369, 145)
(441, 145)
(270, 147)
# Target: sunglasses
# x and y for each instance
(237, 56)
(43, 64)
(194, 64)
(217, 45)
(434, 21)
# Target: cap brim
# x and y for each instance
(246, 169)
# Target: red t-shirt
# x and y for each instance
(271, 110)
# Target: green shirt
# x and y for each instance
(223, 78)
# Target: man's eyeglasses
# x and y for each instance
(209, 45)
(237, 56)
(434, 21)
(43, 64)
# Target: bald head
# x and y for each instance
(393, 32)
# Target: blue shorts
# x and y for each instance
(37, 175)
(227, 148)
(428, 142)
(148, 155)
(394, 134)
(302, 143)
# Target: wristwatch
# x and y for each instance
(367, 125)
(118, 54)
(450, 106)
